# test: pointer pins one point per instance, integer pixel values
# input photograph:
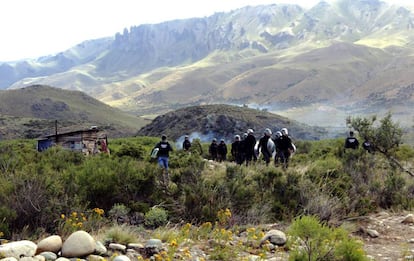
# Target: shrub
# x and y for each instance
(156, 217)
(122, 234)
(118, 211)
(313, 240)
(134, 151)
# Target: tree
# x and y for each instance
(385, 137)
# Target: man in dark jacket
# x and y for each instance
(351, 142)
(222, 151)
(236, 150)
(163, 153)
(263, 146)
(213, 149)
(186, 143)
(249, 144)
(286, 147)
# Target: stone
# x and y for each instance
(136, 246)
(18, 249)
(78, 244)
(49, 255)
(9, 259)
(95, 258)
(275, 237)
(100, 248)
(50, 244)
(153, 246)
(62, 259)
(409, 219)
(121, 258)
(372, 233)
(117, 247)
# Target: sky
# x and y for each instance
(34, 28)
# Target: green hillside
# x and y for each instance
(33, 111)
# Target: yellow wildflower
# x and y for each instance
(173, 243)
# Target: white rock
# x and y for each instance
(121, 258)
(78, 244)
(409, 219)
(372, 233)
(275, 237)
(62, 259)
(50, 244)
(18, 249)
(119, 247)
(9, 259)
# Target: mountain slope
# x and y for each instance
(32, 111)
(224, 121)
(352, 55)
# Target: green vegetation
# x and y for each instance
(40, 106)
(314, 240)
(59, 191)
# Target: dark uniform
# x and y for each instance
(213, 149)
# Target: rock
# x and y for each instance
(62, 259)
(275, 237)
(49, 255)
(100, 248)
(18, 249)
(372, 233)
(117, 247)
(78, 244)
(95, 258)
(50, 244)
(121, 258)
(153, 246)
(9, 259)
(409, 219)
(40, 258)
(133, 254)
(136, 246)
(35, 258)
(253, 258)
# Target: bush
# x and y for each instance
(156, 217)
(313, 240)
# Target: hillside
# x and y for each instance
(224, 121)
(350, 56)
(32, 111)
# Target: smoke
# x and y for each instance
(208, 137)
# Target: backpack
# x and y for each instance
(154, 153)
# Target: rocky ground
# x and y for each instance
(394, 239)
(386, 236)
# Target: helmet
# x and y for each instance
(245, 135)
(237, 137)
(250, 131)
(214, 139)
(284, 131)
(268, 132)
(278, 134)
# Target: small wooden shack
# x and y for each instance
(89, 141)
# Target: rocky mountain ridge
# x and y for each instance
(351, 56)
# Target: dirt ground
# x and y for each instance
(395, 238)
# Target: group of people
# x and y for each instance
(218, 151)
(243, 150)
(351, 142)
(247, 149)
